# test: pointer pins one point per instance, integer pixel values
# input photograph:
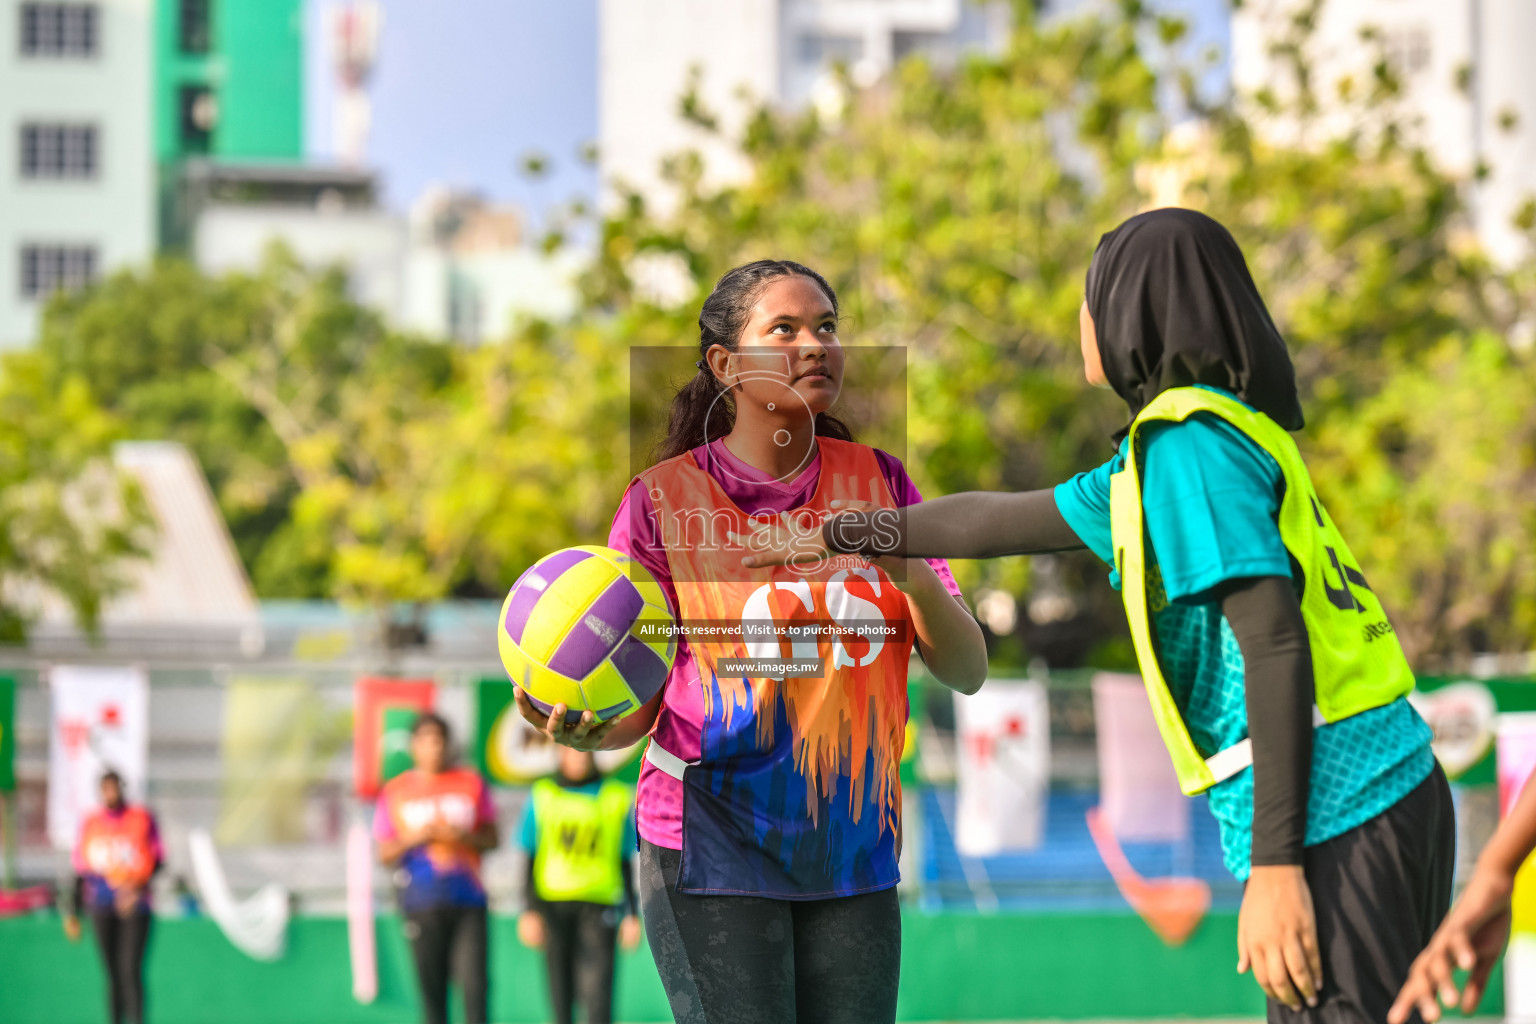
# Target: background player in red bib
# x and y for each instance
(769, 810)
(117, 854)
(432, 824)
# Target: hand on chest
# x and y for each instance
(454, 809)
(112, 854)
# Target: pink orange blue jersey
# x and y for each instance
(796, 793)
(436, 873)
(117, 849)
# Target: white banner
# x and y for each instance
(1463, 717)
(1003, 768)
(100, 720)
(1139, 795)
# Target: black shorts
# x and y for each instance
(1379, 891)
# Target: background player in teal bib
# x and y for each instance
(1344, 832)
(579, 834)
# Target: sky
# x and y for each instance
(464, 88)
(1209, 24)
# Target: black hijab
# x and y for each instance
(1173, 304)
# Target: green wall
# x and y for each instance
(256, 69)
(955, 967)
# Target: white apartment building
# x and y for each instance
(77, 187)
(747, 52)
(1468, 78)
(471, 270)
(459, 267)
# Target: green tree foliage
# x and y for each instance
(273, 379)
(956, 212)
(70, 524)
(955, 209)
(352, 461)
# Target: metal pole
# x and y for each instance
(8, 842)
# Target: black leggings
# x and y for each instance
(122, 941)
(750, 960)
(579, 944)
(449, 941)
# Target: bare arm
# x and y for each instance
(1514, 840)
(1473, 935)
(485, 836)
(391, 850)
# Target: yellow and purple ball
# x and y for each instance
(590, 628)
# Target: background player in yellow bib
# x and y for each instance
(579, 834)
(1274, 674)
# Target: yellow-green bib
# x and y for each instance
(578, 847)
(1357, 662)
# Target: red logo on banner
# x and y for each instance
(75, 733)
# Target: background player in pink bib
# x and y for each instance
(432, 824)
(117, 854)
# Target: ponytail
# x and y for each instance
(704, 409)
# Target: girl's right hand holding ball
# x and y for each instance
(587, 734)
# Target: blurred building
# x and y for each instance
(1467, 77)
(458, 268)
(747, 52)
(77, 191)
(471, 269)
(235, 212)
(229, 89)
(102, 104)
(229, 79)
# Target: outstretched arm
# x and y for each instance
(972, 524)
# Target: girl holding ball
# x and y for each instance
(769, 807)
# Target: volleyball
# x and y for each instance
(590, 628)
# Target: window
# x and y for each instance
(47, 268)
(59, 30)
(198, 111)
(904, 44)
(825, 49)
(1408, 50)
(58, 151)
(196, 26)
